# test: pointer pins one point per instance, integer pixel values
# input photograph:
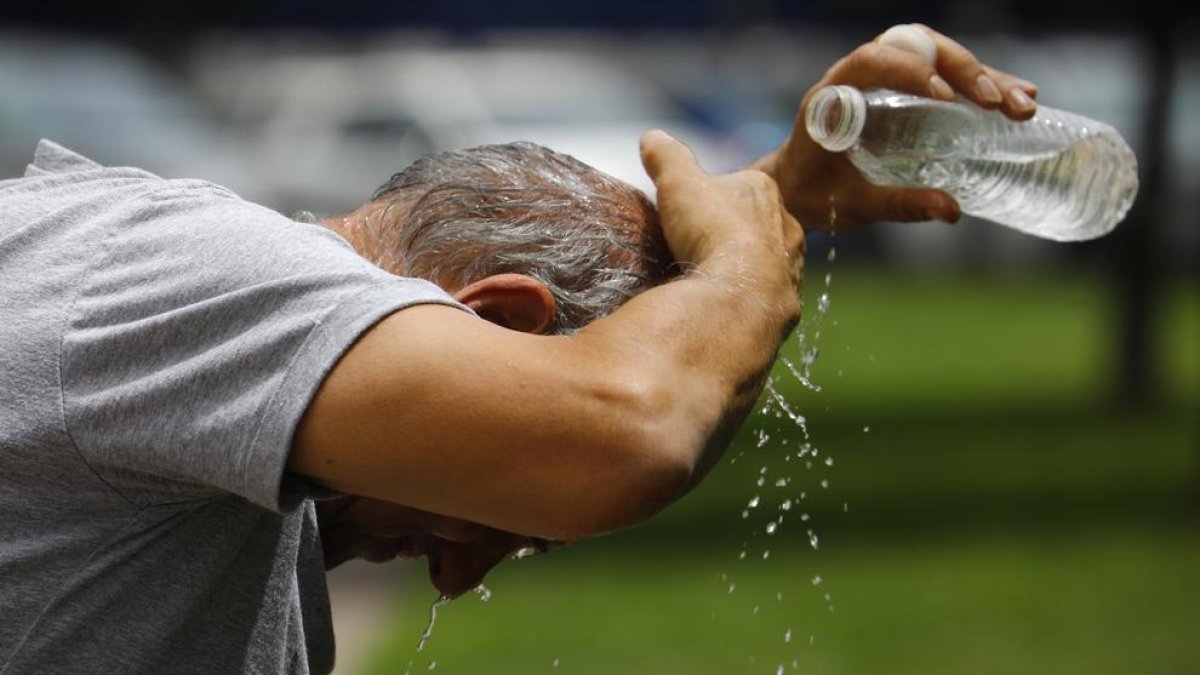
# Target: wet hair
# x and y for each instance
(456, 217)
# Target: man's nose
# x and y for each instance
(455, 568)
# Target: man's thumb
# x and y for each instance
(663, 154)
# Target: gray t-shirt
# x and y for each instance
(159, 342)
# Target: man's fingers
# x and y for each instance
(664, 155)
(879, 64)
(986, 87)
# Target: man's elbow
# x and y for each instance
(650, 462)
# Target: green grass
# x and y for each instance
(1000, 516)
(1106, 602)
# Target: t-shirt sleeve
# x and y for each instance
(198, 336)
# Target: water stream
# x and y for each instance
(779, 482)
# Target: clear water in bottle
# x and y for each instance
(1058, 176)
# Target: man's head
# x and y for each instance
(458, 218)
(528, 238)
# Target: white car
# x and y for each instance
(328, 128)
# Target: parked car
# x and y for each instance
(329, 127)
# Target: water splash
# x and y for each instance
(441, 601)
(524, 553)
(772, 436)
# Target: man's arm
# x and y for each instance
(814, 180)
(564, 437)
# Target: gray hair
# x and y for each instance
(457, 217)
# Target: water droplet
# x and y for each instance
(779, 670)
(816, 581)
(432, 665)
(771, 527)
(828, 461)
(766, 554)
(753, 503)
(483, 592)
(778, 596)
(867, 429)
(524, 553)
(832, 255)
(761, 481)
(732, 588)
(745, 514)
(787, 637)
(823, 303)
(824, 483)
(754, 611)
(804, 517)
(786, 505)
(845, 507)
(433, 609)
(813, 540)
(555, 664)
(781, 482)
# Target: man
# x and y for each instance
(185, 374)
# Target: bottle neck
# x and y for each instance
(835, 117)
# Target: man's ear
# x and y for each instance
(515, 301)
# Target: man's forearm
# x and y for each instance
(711, 337)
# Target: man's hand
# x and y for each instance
(709, 220)
(736, 233)
(814, 180)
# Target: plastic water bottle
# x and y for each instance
(1058, 176)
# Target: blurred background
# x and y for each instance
(1002, 470)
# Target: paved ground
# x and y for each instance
(360, 593)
